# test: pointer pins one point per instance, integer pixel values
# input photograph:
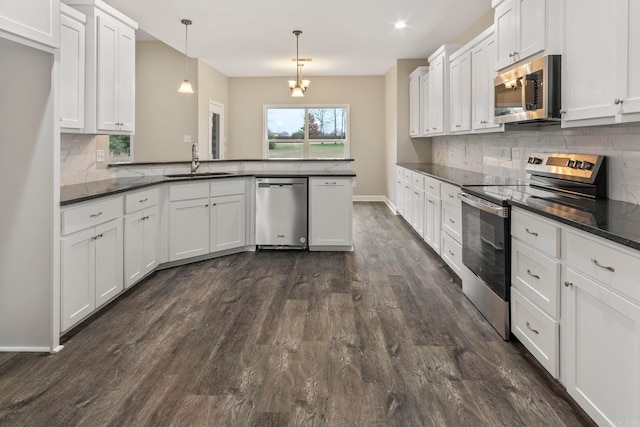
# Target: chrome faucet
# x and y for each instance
(195, 158)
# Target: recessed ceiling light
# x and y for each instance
(400, 25)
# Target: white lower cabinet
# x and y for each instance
(601, 332)
(189, 228)
(432, 221)
(91, 271)
(140, 244)
(330, 206)
(227, 225)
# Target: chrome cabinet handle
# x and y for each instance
(531, 329)
(533, 233)
(533, 275)
(567, 284)
(144, 200)
(97, 237)
(595, 261)
(95, 215)
(451, 253)
(618, 101)
(451, 221)
(452, 196)
(431, 201)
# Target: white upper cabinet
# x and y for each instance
(605, 91)
(524, 28)
(483, 60)
(418, 102)
(72, 59)
(33, 20)
(460, 90)
(439, 90)
(110, 69)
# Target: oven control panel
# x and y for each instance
(573, 167)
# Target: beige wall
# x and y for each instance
(163, 116)
(364, 94)
(212, 86)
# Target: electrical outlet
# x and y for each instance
(187, 138)
(99, 156)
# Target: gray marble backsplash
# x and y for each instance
(505, 154)
(78, 159)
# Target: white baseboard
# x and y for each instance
(25, 349)
(383, 199)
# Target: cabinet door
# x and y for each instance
(414, 104)
(109, 260)
(505, 22)
(417, 206)
(399, 198)
(107, 78)
(188, 229)
(424, 108)
(330, 208)
(77, 296)
(530, 24)
(149, 245)
(126, 78)
(436, 96)
(133, 247)
(227, 222)
(36, 20)
(590, 87)
(432, 223)
(455, 90)
(602, 334)
(72, 56)
(632, 58)
(460, 84)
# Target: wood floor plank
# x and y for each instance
(381, 336)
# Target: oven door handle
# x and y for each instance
(484, 205)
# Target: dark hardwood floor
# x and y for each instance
(382, 336)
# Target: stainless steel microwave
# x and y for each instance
(529, 93)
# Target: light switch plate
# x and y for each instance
(187, 138)
(99, 156)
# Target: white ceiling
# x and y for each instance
(249, 38)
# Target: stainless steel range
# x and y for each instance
(486, 242)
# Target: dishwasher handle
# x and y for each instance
(484, 205)
(268, 185)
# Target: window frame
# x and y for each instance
(306, 141)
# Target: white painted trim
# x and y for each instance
(216, 108)
(391, 206)
(25, 349)
(369, 198)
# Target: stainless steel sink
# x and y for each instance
(197, 175)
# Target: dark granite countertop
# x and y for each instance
(611, 219)
(76, 193)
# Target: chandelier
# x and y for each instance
(299, 85)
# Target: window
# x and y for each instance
(311, 132)
(120, 149)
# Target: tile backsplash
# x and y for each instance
(505, 154)
(78, 158)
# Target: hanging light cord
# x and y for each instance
(186, 23)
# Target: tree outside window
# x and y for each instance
(314, 132)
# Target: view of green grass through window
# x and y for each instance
(119, 148)
(323, 135)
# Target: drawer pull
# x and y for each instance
(451, 253)
(533, 275)
(531, 329)
(452, 196)
(533, 233)
(330, 183)
(567, 284)
(451, 221)
(95, 215)
(595, 261)
(431, 187)
(144, 200)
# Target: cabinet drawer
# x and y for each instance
(418, 180)
(399, 173)
(89, 215)
(450, 194)
(612, 265)
(140, 200)
(227, 187)
(452, 221)
(432, 186)
(452, 254)
(189, 191)
(536, 331)
(540, 234)
(407, 175)
(536, 276)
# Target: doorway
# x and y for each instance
(216, 130)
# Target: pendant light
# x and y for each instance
(185, 86)
(298, 86)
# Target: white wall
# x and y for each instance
(364, 94)
(29, 151)
(391, 131)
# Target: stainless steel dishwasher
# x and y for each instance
(281, 213)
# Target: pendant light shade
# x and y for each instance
(298, 86)
(185, 86)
